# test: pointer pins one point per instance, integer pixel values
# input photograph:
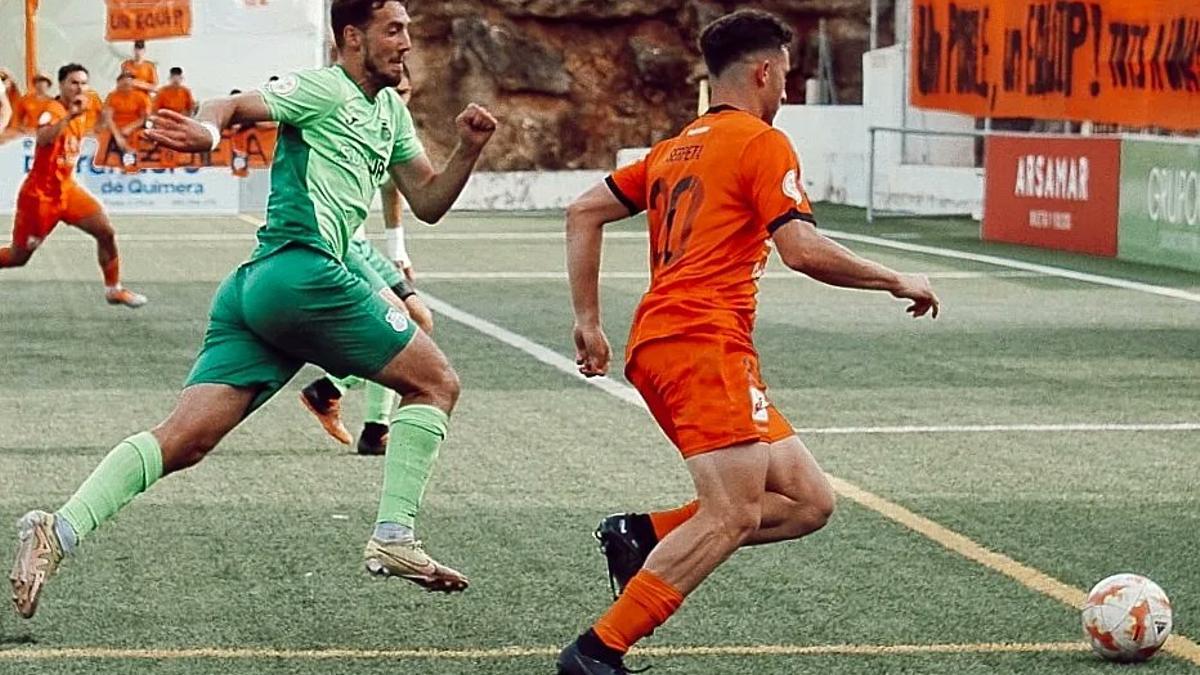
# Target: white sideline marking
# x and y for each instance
(537, 351)
(1027, 576)
(253, 220)
(332, 653)
(1048, 270)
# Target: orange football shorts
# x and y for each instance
(38, 213)
(706, 393)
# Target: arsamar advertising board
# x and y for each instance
(1053, 192)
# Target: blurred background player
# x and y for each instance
(295, 300)
(50, 194)
(323, 396)
(145, 72)
(32, 105)
(175, 95)
(717, 195)
(127, 108)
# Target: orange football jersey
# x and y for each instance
(177, 98)
(145, 71)
(128, 106)
(54, 164)
(713, 196)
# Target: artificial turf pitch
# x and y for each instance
(255, 555)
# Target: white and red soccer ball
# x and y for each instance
(1127, 618)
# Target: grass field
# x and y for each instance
(250, 563)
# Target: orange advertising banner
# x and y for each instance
(147, 19)
(240, 151)
(1130, 62)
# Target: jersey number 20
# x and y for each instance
(673, 240)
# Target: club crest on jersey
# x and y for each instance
(791, 186)
(284, 86)
(397, 320)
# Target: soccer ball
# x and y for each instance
(1126, 618)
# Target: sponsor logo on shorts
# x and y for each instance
(32, 243)
(759, 405)
(397, 320)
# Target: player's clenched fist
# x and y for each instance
(475, 126)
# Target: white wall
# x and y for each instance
(923, 174)
(233, 44)
(832, 144)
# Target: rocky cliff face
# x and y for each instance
(573, 81)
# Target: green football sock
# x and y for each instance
(127, 471)
(417, 433)
(345, 384)
(381, 403)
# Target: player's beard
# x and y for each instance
(379, 75)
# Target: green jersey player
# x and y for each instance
(323, 396)
(341, 129)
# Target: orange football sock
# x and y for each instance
(666, 521)
(646, 604)
(112, 272)
(5, 257)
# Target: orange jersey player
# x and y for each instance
(50, 194)
(717, 196)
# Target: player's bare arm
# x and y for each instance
(187, 134)
(430, 193)
(48, 132)
(804, 249)
(586, 218)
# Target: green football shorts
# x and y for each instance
(272, 315)
(366, 261)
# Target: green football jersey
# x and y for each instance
(334, 148)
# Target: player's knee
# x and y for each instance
(19, 257)
(448, 387)
(439, 388)
(813, 513)
(181, 448)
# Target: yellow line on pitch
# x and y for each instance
(1027, 576)
(529, 652)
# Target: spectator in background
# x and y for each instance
(127, 108)
(93, 109)
(175, 95)
(32, 105)
(145, 73)
(13, 92)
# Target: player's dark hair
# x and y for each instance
(737, 35)
(355, 13)
(65, 71)
(139, 44)
(177, 71)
